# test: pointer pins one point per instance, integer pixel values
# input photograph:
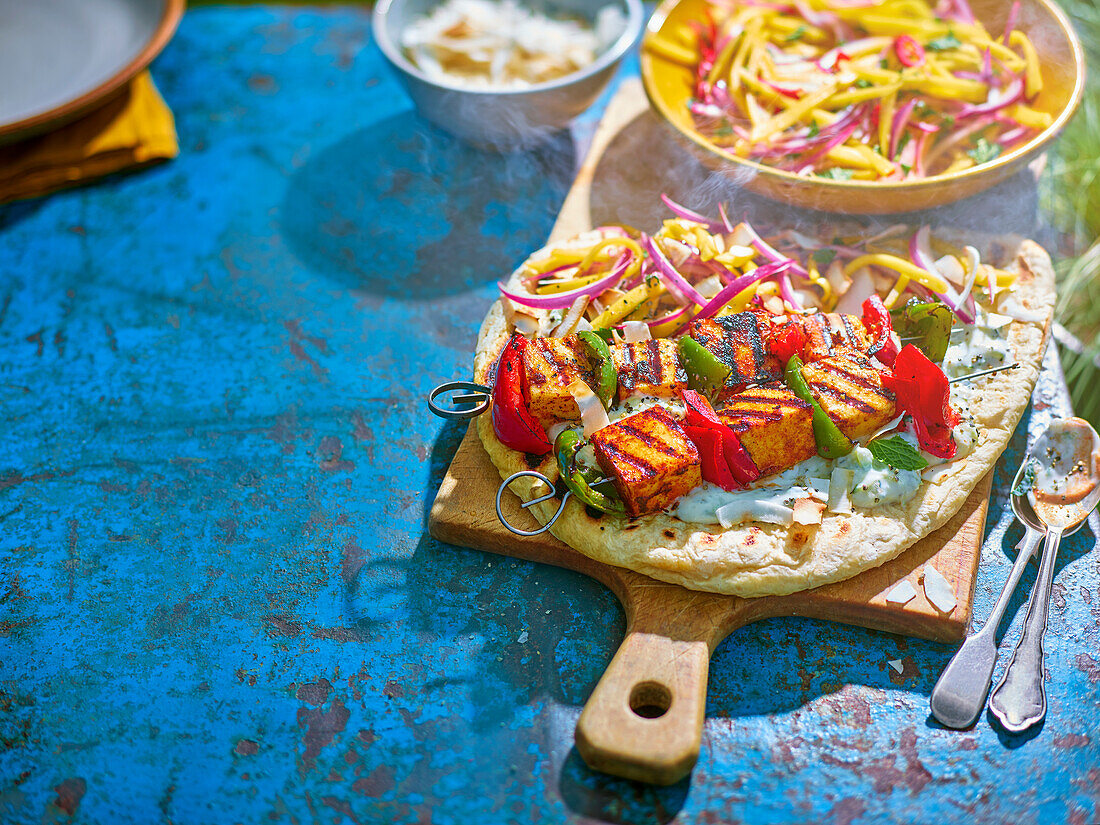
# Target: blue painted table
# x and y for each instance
(218, 600)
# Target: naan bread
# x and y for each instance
(765, 559)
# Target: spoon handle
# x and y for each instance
(959, 695)
(1019, 700)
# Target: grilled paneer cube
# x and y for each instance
(649, 458)
(552, 365)
(737, 342)
(831, 333)
(850, 390)
(774, 424)
(649, 368)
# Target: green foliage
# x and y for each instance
(1070, 198)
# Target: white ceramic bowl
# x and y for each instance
(504, 118)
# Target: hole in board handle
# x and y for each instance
(650, 700)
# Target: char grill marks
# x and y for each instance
(775, 426)
(552, 365)
(649, 458)
(737, 342)
(832, 333)
(850, 390)
(649, 368)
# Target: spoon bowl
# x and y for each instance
(1058, 486)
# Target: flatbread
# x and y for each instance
(757, 559)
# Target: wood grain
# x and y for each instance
(644, 719)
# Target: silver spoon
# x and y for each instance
(1064, 490)
(959, 695)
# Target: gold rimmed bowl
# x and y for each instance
(669, 86)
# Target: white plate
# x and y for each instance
(58, 58)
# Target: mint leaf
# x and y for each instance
(984, 151)
(823, 257)
(863, 83)
(837, 173)
(898, 453)
(815, 130)
(942, 44)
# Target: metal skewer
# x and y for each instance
(921, 337)
(476, 394)
(1011, 366)
(532, 502)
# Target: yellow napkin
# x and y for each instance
(134, 129)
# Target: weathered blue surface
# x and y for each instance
(218, 602)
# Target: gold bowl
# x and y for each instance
(669, 87)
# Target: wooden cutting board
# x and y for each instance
(644, 720)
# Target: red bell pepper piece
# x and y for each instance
(730, 465)
(512, 421)
(877, 320)
(909, 51)
(789, 340)
(709, 444)
(923, 392)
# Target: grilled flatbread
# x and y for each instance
(756, 559)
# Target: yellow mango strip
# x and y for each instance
(621, 307)
(1031, 118)
(908, 8)
(885, 123)
(557, 259)
(850, 96)
(720, 69)
(764, 92)
(646, 311)
(876, 74)
(888, 25)
(901, 266)
(750, 36)
(1033, 77)
(555, 287)
(600, 246)
(848, 157)
(1003, 278)
(1013, 62)
(876, 161)
(757, 113)
(823, 118)
(896, 291)
(784, 26)
(672, 51)
(794, 113)
(951, 88)
(668, 327)
(959, 164)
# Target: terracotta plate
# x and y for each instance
(58, 58)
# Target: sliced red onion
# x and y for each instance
(673, 280)
(897, 126)
(762, 246)
(564, 299)
(1010, 24)
(821, 19)
(689, 215)
(725, 218)
(998, 99)
(735, 287)
(685, 310)
(920, 250)
(974, 259)
(787, 291)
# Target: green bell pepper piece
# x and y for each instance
(599, 357)
(831, 442)
(567, 445)
(706, 374)
(930, 322)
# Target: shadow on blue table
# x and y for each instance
(404, 210)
